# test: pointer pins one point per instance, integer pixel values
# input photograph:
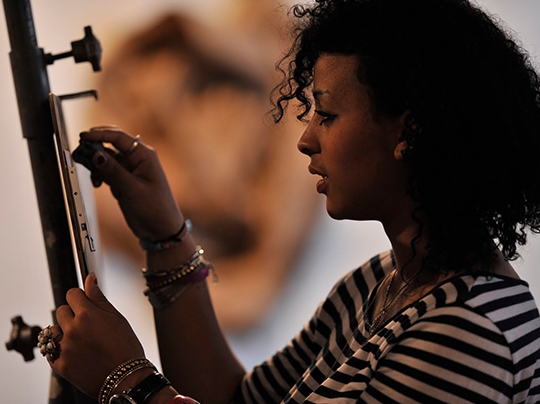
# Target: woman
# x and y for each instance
(426, 118)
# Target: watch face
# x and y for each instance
(121, 399)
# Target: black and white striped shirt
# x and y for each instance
(473, 339)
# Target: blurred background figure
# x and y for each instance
(199, 97)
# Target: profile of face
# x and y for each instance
(357, 153)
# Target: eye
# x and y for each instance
(326, 117)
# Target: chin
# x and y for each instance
(336, 217)
(334, 213)
(348, 212)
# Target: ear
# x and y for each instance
(399, 149)
(402, 144)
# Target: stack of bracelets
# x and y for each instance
(164, 287)
(120, 373)
(143, 392)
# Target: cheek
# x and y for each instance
(348, 156)
(360, 167)
(341, 149)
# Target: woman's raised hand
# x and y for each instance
(137, 181)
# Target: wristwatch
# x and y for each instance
(143, 392)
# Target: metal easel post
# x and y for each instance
(32, 88)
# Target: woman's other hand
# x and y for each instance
(94, 338)
(137, 181)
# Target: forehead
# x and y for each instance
(335, 77)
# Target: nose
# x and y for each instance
(308, 143)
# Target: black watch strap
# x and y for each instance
(148, 388)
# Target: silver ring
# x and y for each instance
(48, 347)
(134, 145)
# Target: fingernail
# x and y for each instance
(93, 277)
(104, 128)
(96, 183)
(100, 159)
(187, 400)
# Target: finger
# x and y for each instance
(57, 334)
(184, 399)
(95, 295)
(96, 179)
(106, 127)
(64, 315)
(132, 154)
(77, 300)
(122, 141)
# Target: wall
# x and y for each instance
(25, 287)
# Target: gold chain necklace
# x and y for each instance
(387, 305)
(371, 329)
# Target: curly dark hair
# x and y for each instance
(473, 103)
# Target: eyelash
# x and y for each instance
(326, 117)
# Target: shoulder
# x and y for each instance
(485, 326)
(499, 309)
(509, 305)
(504, 302)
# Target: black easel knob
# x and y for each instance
(87, 49)
(23, 338)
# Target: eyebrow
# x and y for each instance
(318, 93)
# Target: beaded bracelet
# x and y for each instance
(163, 299)
(178, 271)
(153, 246)
(157, 279)
(120, 373)
(164, 287)
(164, 296)
(158, 282)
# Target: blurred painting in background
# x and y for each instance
(200, 97)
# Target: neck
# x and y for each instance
(401, 234)
(409, 261)
(409, 257)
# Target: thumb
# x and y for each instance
(95, 295)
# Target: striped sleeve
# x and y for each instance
(270, 381)
(293, 370)
(513, 310)
(453, 355)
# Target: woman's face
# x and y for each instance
(358, 157)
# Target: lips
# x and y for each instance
(316, 171)
(321, 184)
